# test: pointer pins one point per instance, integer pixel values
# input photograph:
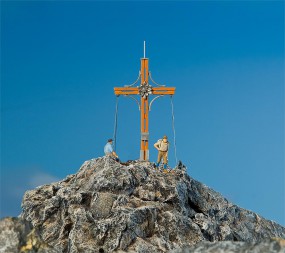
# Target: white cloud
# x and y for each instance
(15, 182)
(41, 178)
(30, 181)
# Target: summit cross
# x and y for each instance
(144, 90)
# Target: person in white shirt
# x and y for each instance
(162, 146)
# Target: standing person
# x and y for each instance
(162, 146)
(109, 151)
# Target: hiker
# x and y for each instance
(162, 145)
(109, 151)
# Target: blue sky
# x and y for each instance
(61, 59)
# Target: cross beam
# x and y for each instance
(144, 90)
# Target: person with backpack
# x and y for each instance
(162, 145)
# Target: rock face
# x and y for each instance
(13, 233)
(110, 207)
(274, 245)
(17, 235)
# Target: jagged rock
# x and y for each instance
(12, 235)
(132, 207)
(274, 245)
(17, 235)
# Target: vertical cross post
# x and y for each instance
(144, 152)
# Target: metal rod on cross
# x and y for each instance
(144, 90)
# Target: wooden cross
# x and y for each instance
(144, 90)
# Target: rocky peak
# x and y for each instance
(107, 206)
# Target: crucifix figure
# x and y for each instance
(144, 90)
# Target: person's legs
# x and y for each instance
(159, 156)
(165, 160)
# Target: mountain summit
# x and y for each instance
(111, 207)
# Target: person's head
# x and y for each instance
(110, 140)
(164, 138)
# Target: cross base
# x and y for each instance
(146, 153)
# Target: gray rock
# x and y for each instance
(267, 246)
(12, 235)
(17, 235)
(111, 207)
